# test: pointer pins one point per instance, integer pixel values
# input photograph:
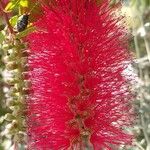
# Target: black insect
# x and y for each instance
(22, 22)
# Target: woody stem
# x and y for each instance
(6, 17)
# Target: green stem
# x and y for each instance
(145, 39)
(137, 49)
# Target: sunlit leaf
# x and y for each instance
(24, 3)
(13, 20)
(11, 5)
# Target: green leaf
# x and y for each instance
(2, 37)
(13, 20)
(133, 2)
(24, 3)
(25, 32)
(11, 5)
(2, 26)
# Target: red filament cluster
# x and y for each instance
(80, 97)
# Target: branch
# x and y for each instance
(139, 146)
(6, 17)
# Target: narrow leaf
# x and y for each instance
(13, 20)
(25, 32)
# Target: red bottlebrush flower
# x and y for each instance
(80, 97)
